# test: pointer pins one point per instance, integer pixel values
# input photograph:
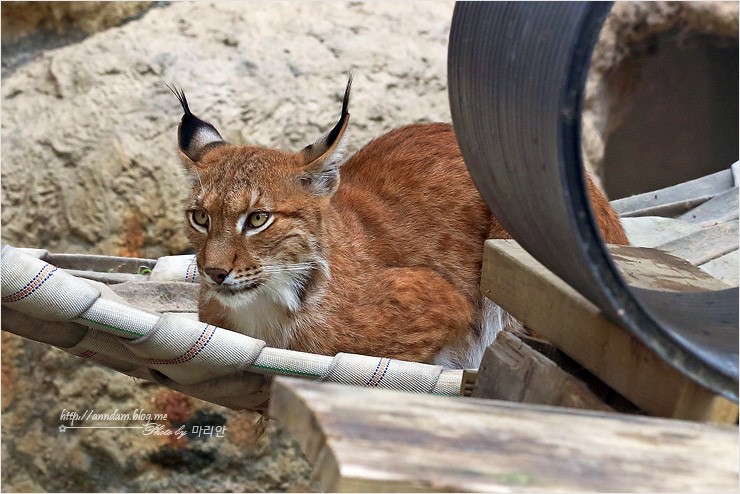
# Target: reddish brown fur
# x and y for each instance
(403, 236)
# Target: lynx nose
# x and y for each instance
(217, 274)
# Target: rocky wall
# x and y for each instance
(89, 161)
(21, 19)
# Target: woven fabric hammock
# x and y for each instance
(47, 304)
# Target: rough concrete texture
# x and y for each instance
(39, 385)
(628, 25)
(89, 161)
(89, 165)
(29, 28)
(20, 19)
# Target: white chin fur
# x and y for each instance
(238, 300)
(264, 312)
(282, 288)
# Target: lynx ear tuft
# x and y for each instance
(323, 158)
(195, 137)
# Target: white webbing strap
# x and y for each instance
(448, 383)
(106, 350)
(190, 352)
(37, 253)
(276, 361)
(361, 370)
(101, 343)
(186, 352)
(239, 390)
(35, 287)
(116, 318)
(175, 268)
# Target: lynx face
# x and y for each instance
(255, 218)
(255, 227)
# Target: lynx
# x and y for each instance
(379, 254)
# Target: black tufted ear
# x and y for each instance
(323, 158)
(195, 137)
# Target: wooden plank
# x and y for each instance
(373, 440)
(735, 168)
(649, 231)
(719, 209)
(511, 370)
(677, 199)
(693, 401)
(725, 268)
(658, 270)
(546, 304)
(606, 394)
(470, 377)
(703, 246)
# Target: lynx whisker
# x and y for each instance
(288, 267)
(307, 263)
(282, 270)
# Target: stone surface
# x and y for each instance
(21, 19)
(89, 161)
(30, 28)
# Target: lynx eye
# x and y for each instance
(257, 219)
(199, 219)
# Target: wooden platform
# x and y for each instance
(371, 440)
(560, 315)
(684, 238)
(696, 220)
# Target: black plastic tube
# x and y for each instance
(516, 76)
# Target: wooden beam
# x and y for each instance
(103, 264)
(719, 209)
(109, 278)
(675, 200)
(725, 268)
(513, 371)
(658, 270)
(543, 302)
(373, 440)
(649, 231)
(470, 377)
(705, 245)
